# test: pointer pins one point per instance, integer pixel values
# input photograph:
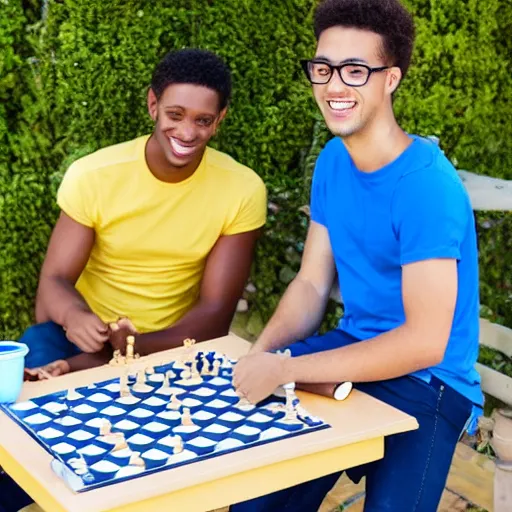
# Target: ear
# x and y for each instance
(152, 104)
(393, 79)
(221, 117)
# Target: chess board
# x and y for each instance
(155, 419)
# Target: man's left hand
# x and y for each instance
(256, 376)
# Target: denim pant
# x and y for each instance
(412, 475)
(47, 342)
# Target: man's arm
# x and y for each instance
(302, 306)
(226, 272)
(57, 298)
(429, 292)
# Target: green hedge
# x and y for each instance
(75, 76)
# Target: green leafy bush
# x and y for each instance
(74, 77)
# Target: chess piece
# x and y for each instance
(130, 349)
(188, 343)
(166, 383)
(194, 372)
(226, 363)
(117, 359)
(105, 428)
(73, 395)
(140, 384)
(136, 460)
(150, 370)
(121, 444)
(141, 377)
(178, 447)
(186, 375)
(205, 368)
(186, 418)
(243, 402)
(216, 368)
(290, 415)
(174, 404)
(124, 390)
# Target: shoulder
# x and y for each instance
(430, 172)
(232, 174)
(101, 162)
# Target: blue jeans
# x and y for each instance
(47, 342)
(412, 475)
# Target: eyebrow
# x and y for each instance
(326, 59)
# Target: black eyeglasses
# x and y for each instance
(351, 74)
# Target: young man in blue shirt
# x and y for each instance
(390, 217)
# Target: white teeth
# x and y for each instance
(341, 105)
(181, 150)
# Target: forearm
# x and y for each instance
(392, 354)
(84, 361)
(203, 322)
(298, 316)
(56, 297)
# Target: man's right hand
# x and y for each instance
(85, 330)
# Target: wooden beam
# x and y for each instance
(471, 476)
(496, 336)
(486, 193)
(495, 384)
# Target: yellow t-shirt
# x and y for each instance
(152, 237)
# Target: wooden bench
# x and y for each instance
(474, 477)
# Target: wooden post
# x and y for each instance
(502, 445)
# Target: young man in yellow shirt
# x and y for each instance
(156, 235)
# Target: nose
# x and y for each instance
(335, 84)
(186, 132)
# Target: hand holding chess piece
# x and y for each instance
(119, 332)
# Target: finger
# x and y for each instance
(30, 374)
(96, 339)
(127, 323)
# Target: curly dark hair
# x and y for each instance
(193, 66)
(388, 18)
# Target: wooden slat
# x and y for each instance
(471, 476)
(487, 193)
(503, 490)
(495, 384)
(496, 336)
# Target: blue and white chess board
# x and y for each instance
(154, 420)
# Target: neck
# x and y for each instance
(377, 144)
(162, 169)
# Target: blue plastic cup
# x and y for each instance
(12, 364)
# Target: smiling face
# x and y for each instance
(349, 110)
(186, 118)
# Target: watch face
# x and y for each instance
(342, 390)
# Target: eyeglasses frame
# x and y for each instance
(305, 66)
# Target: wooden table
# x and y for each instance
(359, 425)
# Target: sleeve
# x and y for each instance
(76, 196)
(318, 195)
(252, 212)
(430, 212)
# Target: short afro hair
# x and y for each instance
(388, 18)
(193, 66)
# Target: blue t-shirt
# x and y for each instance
(413, 209)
